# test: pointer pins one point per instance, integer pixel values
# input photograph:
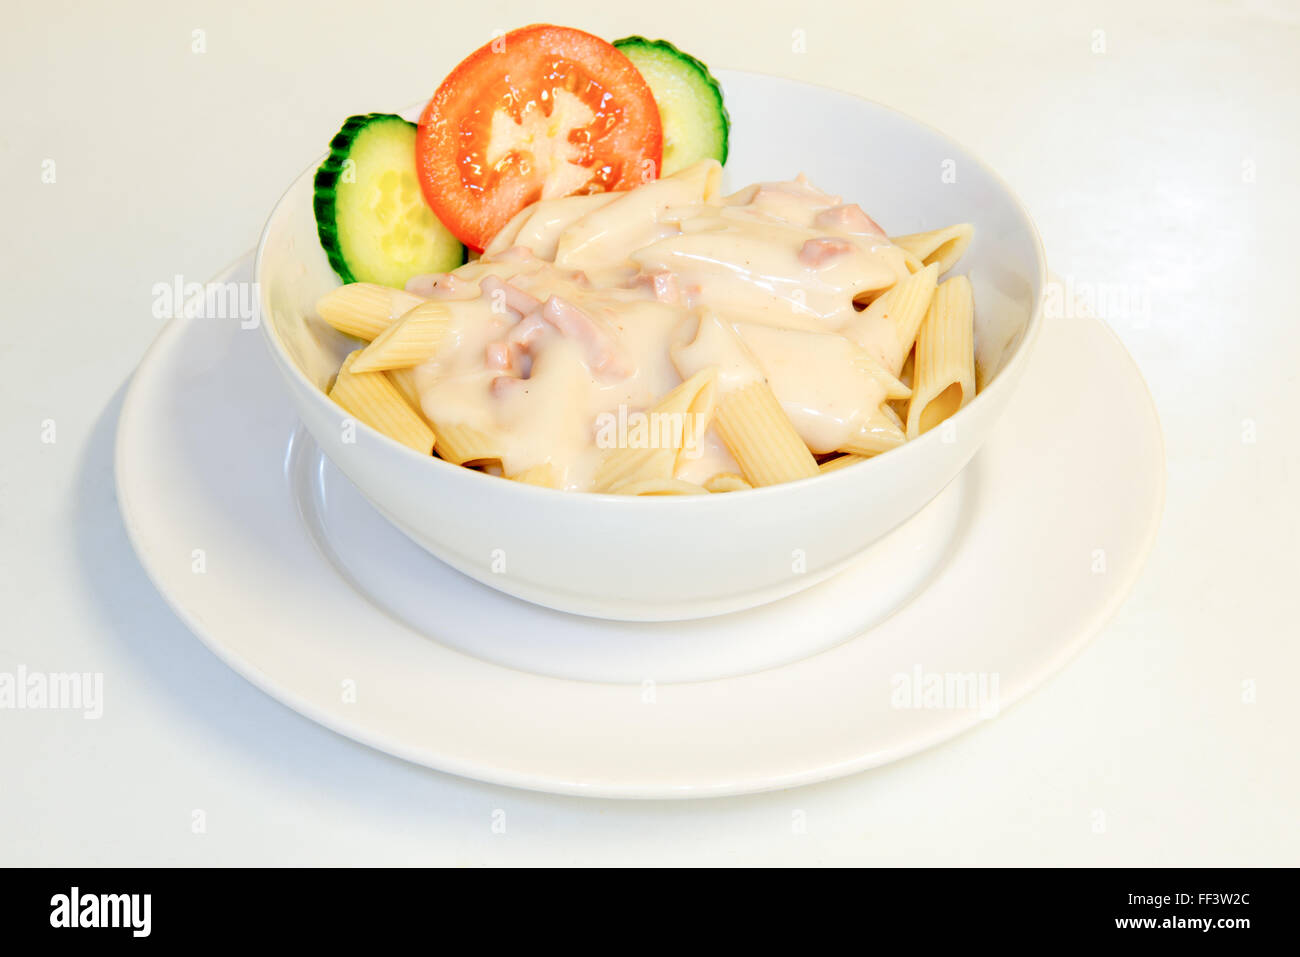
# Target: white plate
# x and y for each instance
(279, 566)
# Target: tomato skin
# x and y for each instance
(475, 196)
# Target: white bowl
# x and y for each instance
(666, 558)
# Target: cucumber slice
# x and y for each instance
(370, 213)
(694, 117)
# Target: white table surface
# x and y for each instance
(1155, 144)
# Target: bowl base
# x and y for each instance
(404, 580)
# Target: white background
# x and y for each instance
(1156, 145)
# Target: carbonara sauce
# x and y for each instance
(604, 303)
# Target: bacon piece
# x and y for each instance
(498, 356)
(515, 299)
(816, 253)
(849, 218)
(520, 340)
(525, 332)
(602, 355)
(661, 284)
(514, 355)
(504, 385)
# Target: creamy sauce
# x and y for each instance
(586, 305)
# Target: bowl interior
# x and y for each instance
(906, 175)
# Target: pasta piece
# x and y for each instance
(912, 260)
(910, 263)
(761, 437)
(543, 475)
(605, 236)
(373, 399)
(409, 341)
(363, 309)
(701, 182)
(466, 445)
(907, 375)
(712, 176)
(840, 461)
(945, 358)
(538, 227)
(894, 387)
(881, 432)
(888, 328)
(941, 247)
(658, 486)
(726, 482)
(677, 423)
(899, 406)
(505, 237)
(404, 379)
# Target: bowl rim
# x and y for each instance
(1006, 380)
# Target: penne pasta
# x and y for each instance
(945, 358)
(600, 237)
(411, 340)
(659, 486)
(888, 327)
(404, 379)
(912, 260)
(727, 482)
(881, 432)
(906, 376)
(543, 475)
(372, 398)
(466, 445)
(676, 424)
(894, 387)
(505, 237)
(860, 383)
(840, 461)
(363, 309)
(539, 227)
(911, 264)
(761, 438)
(940, 247)
(600, 336)
(899, 406)
(712, 176)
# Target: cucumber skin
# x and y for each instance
(699, 66)
(325, 188)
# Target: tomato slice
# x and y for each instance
(543, 111)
